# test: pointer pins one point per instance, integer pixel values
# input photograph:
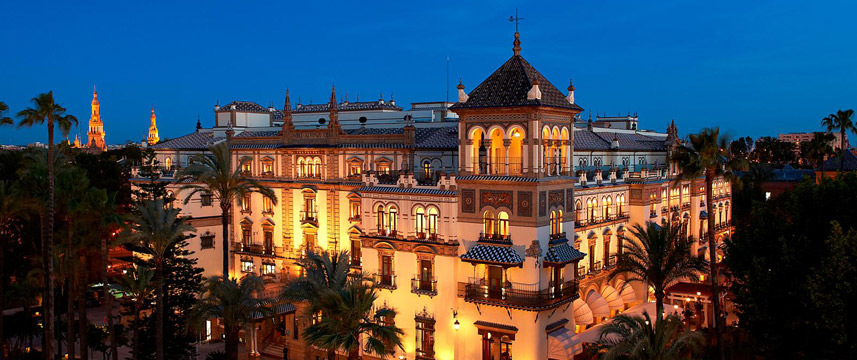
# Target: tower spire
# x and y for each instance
(287, 113)
(153, 138)
(333, 107)
(95, 135)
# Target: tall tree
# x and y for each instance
(349, 315)
(235, 303)
(214, 174)
(816, 150)
(137, 286)
(13, 207)
(72, 184)
(706, 155)
(157, 230)
(45, 110)
(629, 337)
(658, 256)
(842, 122)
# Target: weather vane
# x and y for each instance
(515, 19)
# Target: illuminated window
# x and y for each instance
(354, 210)
(246, 166)
(354, 169)
(168, 163)
(578, 211)
(620, 204)
(268, 269)
(427, 169)
(268, 205)
(247, 266)
(268, 167)
(420, 222)
(380, 215)
(503, 223)
(393, 217)
(245, 203)
(432, 221)
(488, 223)
(425, 337)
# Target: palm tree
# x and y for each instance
(157, 230)
(13, 207)
(840, 121)
(659, 257)
(636, 338)
(107, 226)
(321, 271)
(235, 303)
(214, 174)
(137, 286)
(24, 292)
(5, 120)
(46, 110)
(347, 315)
(73, 185)
(706, 155)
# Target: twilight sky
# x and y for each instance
(751, 67)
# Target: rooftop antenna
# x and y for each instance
(515, 19)
(447, 78)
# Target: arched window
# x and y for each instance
(300, 167)
(380, 215)
(559, 221)
(503, 224)
(591, 204)
(620, 204)
(427, 171)
(420, 222)
(316, 168)
(553, 223)
(606, 201)
(578, 211)
(433, 214)
(168, 162)
(393, 216)
(488, 224)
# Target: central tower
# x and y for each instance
(96, 126)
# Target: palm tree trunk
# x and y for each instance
(108, 301)
(659, 304)
(81, 309)
(48, 251)
(712, 254)
(224, 222)
(70, 290)
(69, 336)
(159, 313)
(2, 294)
(331, 354)
(231, 342)
(135, 346)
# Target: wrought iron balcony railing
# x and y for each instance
(524, 296)
(426, 286)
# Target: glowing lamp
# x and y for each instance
(456, 324)
(698, 293)
(675, 306)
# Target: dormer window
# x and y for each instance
(268, 166)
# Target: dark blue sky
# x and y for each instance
(752, 67)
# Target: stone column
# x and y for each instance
(506, 144)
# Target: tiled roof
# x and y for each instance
(848, 164)
(347, 106)
(375, 131)
(192, 141)
(393, 189)
(509, 85)
(598, 140)
(495, 325)
(493, 254)
(437, 138)
(255, 146)
(563, 254)
(244, 106)
(376, 146)
(497, 178)
(258, 133)
(276, 309)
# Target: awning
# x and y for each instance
(597, 304)
(582, 313)
(563, 344)
(496, 255)
(612, 296)
(562, 254)
(626, 292)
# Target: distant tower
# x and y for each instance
(77, 141)
(96, 127)
(153, 130)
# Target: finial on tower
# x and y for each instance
(570, 96)
(517, 43)
(462, 96)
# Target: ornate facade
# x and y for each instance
(491, 235)
(153, 138)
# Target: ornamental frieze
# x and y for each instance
(468, 200)
(495, 198)
(556, 198)
(543, 204)
(525, 203)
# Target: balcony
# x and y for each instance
(513, 166)
(387, 233)
(521, 296)
(558, 236)
(426, 236)
(611, 261)
(255, 249)
(581, 272)
(495, 238)
(595, 268)
(424, 286)
(309, 217)
(653, 214)
(388, 178)
(685, 206)
(385, 281)
(355, 218)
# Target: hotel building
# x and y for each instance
(490, 224)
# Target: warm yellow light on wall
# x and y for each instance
(456, 324)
